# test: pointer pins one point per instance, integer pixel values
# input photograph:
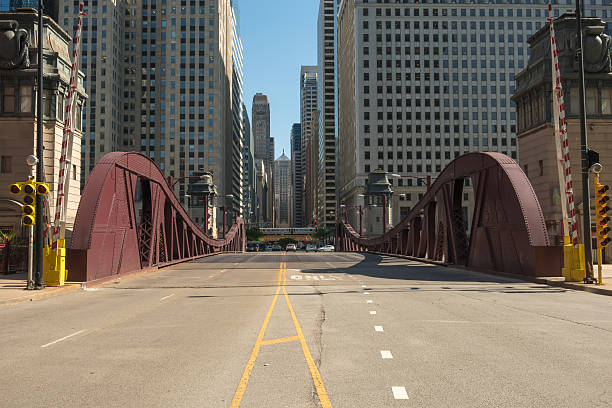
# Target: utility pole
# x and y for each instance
(38, 276)
(584, 152)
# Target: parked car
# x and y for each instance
(311, 248)
(276, 247)
(252, 248)
(327, 248)
(291, 247)
(268, 248)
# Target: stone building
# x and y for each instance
(18, 94)
(533, 100)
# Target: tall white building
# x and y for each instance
(327, 163)
(308, 104)
(165, 78)
(421, 84)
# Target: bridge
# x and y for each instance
(406, 319)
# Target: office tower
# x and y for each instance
(311, 174)
(248, 169)
(103, 65)
(161, 80)
(5, 5)
(18, 91)
(421, 84)
(326, 185)
(297, 175)
(264, 150)
(308, 103)
(282, 191)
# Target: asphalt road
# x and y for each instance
(309, 330)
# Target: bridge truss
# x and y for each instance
(129, 219)
(507, 235)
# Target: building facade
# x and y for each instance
(533, 100)
(264, 149)
(297, 175)
(163, 78)
(308, 103)
(248, 169)
(326, 183)
(421, 84)
(282, 192)
(18, 95)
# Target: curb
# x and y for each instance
(41, 294)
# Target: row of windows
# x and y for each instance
(419, 168)
(446, 25)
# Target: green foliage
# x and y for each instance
(7, 237)
(254, 234)
(283, 242)
(322, 233)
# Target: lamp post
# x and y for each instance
(224, 209)
(38, 276)
(378, 186)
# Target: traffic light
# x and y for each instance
(29, 201)
(15, 188)
(602, 218)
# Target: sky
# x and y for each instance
(279, 36)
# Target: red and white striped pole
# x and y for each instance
(67, 135)
(561, 132)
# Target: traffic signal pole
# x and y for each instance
(602, 218)
(38, 277)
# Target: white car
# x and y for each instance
(311, 248)
(327, 248)
(291, 247)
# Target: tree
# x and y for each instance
(322, 233)
(254, 234)
(283, 242)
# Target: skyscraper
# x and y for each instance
(264, 148)
(165, 78)
(4, 5)
(421, 84)
(282, 192)
(297, 175)
(308, 104)
(326, 184)
(248, 169)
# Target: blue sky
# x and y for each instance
(278, 37)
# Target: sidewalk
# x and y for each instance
(12, 289)
(605, 289)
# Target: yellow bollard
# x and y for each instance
(573, 261)
(54, 264)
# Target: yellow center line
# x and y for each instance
(244, 381)
(281, 340)
(314, 372)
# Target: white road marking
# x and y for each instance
(363, 286)
(372, 312)
(315, 277)
(366, 293)
(386, 354)
(166, 297)
(62, 339)
(368, 301)
(399, 392)
(379, 328)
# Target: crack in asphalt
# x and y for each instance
(318, 339)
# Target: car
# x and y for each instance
(291, 247)
(311, 248)
(327, 248)
(252, 248)
(268, 248)
(276, 247)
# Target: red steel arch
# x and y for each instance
(508, 233)
(115, 234)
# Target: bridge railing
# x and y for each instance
(508, 233)
(129, 219)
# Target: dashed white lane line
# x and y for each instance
(366, 293)
(62, 339)
(369, 301)
(166, 297)
(386, 354)
(379, 328)
(372, 312)
(399, 392)
(364, 286)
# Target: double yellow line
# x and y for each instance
(314, 372)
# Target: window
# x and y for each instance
(25, 98)
(606, 101)
(8, 99)
(6, 164)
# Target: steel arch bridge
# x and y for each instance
(508, 233)
(129, 219)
